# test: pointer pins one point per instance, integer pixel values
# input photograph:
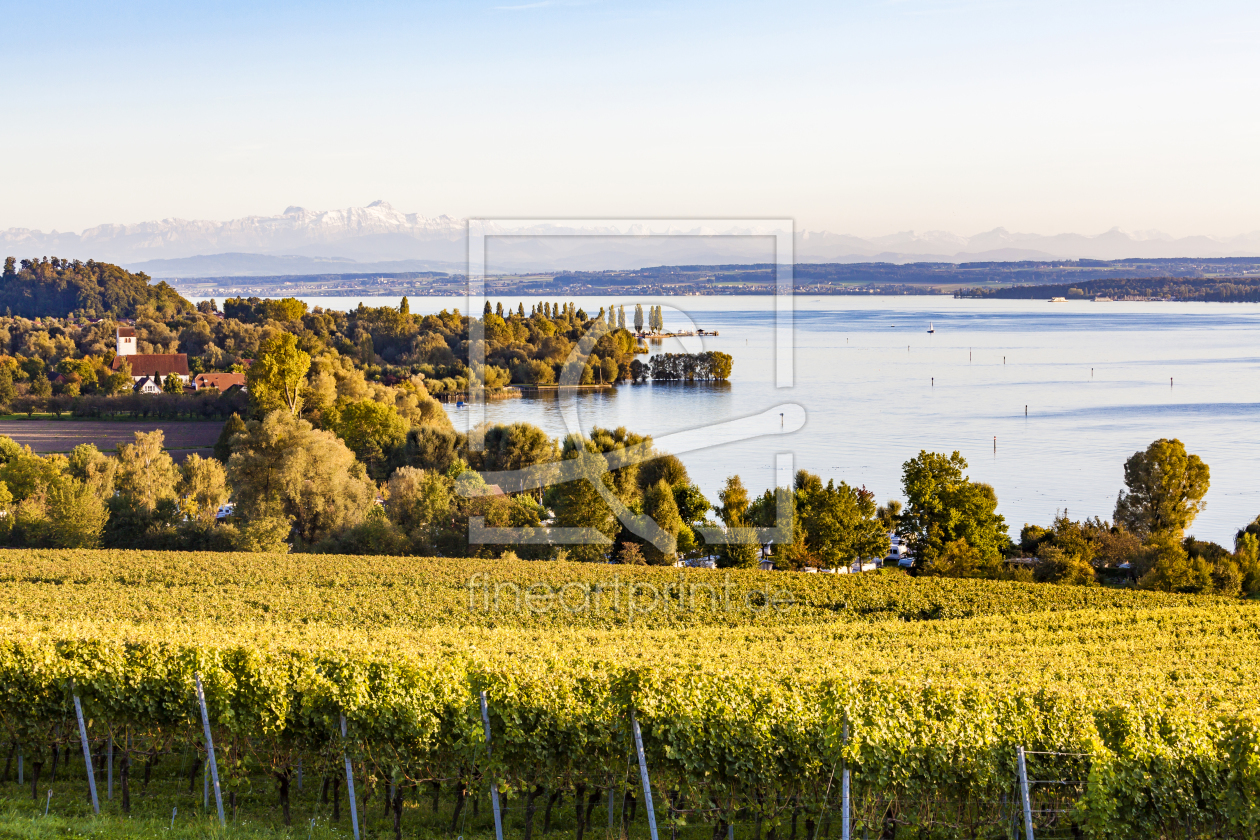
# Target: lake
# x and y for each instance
(1100, 381)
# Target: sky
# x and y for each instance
(854, 117)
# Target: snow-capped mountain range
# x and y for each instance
(378, 238)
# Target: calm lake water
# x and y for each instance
(876, 388)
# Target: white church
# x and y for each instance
(148, 370)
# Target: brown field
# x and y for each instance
(182, 437)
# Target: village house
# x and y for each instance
(219, 381)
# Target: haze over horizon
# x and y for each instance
(861, 118)
(381, 238)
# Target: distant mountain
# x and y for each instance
(380, 238)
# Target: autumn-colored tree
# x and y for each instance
(276, 377)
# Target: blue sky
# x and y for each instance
(854, 117)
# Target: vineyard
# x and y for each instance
(754, 694)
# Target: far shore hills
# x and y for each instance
(1234, 279)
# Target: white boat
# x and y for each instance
(1058, 300)
(931, 329)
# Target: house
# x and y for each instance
(147, 385)
(148, 365)
(218, 381)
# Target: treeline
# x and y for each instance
(54, 287)
(708, 366)
(1238, 290)
(61, 324)
(952, 529)
(207, 404)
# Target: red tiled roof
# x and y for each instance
(222, 381)
(124, 332)
(154, 364)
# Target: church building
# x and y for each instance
(148, 367)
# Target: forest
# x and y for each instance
(1220, 289)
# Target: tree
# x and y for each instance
(516, 446)
(1054, 565)
(372, 430)
(734, 498)
(89, 465)
(577, 504)
(692, 505)
(741, 550)
(638, 317)
(172, 385)
(223, 446)
(667, 468)
(276, 377)
(146, 472)
(659, 504)
(40, 386)
(76, 514)
(960, 559)
(1166, 486)
(283, 467)
(944, 506)
(202, 487)
(889, 515)
(404, 308)
(7, 391)
(837, 524)
(1172, 569)
(430, 448)
(420, 503)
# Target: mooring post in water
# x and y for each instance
(1023, 789)
(354, 808)
(87, 755)
(494, 786)
(643, 775)
(214, 765)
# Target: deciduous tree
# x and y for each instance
(276, 377)
(1165, 493)
(283, 467)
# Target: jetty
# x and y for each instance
(674, 334)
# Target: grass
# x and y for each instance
(258, 814)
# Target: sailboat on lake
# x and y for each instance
(931, 329)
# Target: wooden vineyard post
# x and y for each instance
(494, 786)
(846, 825)
(1023, 789)
(214, 765)
(109, 767)
(87, 755)
(354, 808)
(643, 775)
